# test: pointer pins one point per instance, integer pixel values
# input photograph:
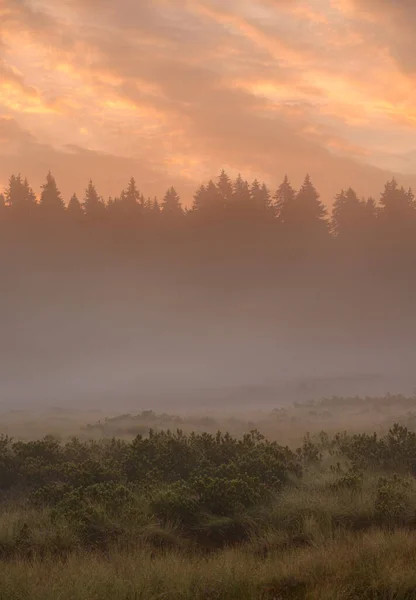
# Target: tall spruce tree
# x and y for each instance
(200, 199)
(93, 204)
(171, 207)
(20, 197)
(398, 208)
(370, 216)
(51, 202)
(310, 213)
(239, 206)
(74, 209)
(129, 206)
(225, 189)
(284, 202)
(133, 200)
(348, 215)
(156, 208)
(261, 199)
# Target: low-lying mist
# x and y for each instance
(96, 327)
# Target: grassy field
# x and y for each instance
(174, 514)
(374, 565)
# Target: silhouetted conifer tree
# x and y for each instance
(261, 199)
(151, 209)
(310, 213)
(93, 204)
(214, 199)
(128, 207)
(284, 202)
(370, 217)
(20, 197)
(156, 207)
(132, 194)
(371, 208)
(51, 202)
(348, 215)
(148, 205)
(171, 206)
(209, 203)
(133, 200)
(74, 209)
(200, 199)
(240, 205)
(225, 189)
(397, 207)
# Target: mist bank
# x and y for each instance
(110, 321)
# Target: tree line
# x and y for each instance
(223, 201)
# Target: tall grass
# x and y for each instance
(374, 565)
(209, 517)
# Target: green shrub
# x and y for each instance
(228, 497)
(392, 503)
(176, 504)
(352, 480)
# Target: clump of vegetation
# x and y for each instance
(242, 517)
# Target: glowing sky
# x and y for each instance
(171, 91)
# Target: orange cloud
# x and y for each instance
(176, 89)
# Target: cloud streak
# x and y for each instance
(173, 90)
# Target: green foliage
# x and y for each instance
(309, 452)
(225, 497)
(352, 480)
(396, 451)
(176, 504)
(50, 494)
(93, 512)
(211, 490)
(392, 504)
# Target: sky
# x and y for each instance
(172, 91)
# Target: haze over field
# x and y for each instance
(230, 293)
(106, 330)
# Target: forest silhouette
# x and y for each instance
(246, 285)
(226, 203)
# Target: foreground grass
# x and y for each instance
(171, 515)
(374, 565)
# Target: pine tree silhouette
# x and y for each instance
(171, 206)
(240, 205)
(225, 189)
(74, 209)
(93, 204)
(128, 207)
(397, 205)
(284, 202)
(200, 199)
(348, 215)
(51, 202)
(133, 200)
(309, 215)
(20, 197)
(261, 200)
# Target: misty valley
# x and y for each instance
(214, 402)
(207, 300)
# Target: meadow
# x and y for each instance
(219, 507)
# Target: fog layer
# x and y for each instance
(148, 325)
